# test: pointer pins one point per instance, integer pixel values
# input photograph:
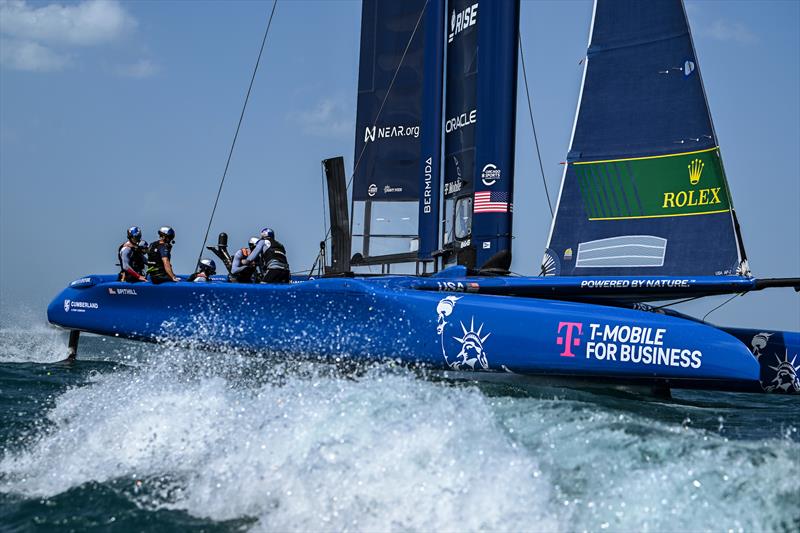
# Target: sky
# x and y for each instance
(115, 114)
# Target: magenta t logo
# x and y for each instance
(568, 341)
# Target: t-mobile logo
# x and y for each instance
(570, 338)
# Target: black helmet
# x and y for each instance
(167, 233)
(208, 266)
(134, 234)
(252, 242)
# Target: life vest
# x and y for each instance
(136, 260)
(274, 258)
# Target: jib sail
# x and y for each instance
(480, 114)
(644, 189)
(396, 73)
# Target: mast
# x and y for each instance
(480, 116)
(492, 207)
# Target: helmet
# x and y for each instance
(208, 266)
(143, 245)
(267, 233)
(252, 242)
(134, 234)
(166, 232)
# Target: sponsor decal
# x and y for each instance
(487, 245)
(568, 254)
(568, 340)
(81, 281)
(457, 286)
(453, 187)
(372, 190)
(373, 133)
(79, 307)
(688, 197)
(624, 343)
(122, 290)
(490, 174)
(428, 193)
(471, 354)
(460, 121)
(461, 20)
(634, 283)
(388, 189)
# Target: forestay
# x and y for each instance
(644, 189)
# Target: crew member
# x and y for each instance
(240, 272)
(131, 257)
(205, 270)
(270, 256)
(159, 255)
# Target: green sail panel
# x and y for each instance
(674, 185)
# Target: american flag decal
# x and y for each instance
(491, 202)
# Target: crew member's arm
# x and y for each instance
(262, 246)
(125, 254)
(237, 265)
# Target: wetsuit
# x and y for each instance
(270, 255)
(241, 273)
(155, 264)
(131, 262)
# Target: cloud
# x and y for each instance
(330, 117)
(30, 56)
(86, 23)
(724, 30)
(144, 68)
(37, 38)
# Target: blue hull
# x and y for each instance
(383, 318)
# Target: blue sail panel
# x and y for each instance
(492, 207)
(387, 147)
(644, 190)
(398, 75)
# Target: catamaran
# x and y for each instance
(644, 214)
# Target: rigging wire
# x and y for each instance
(533, 126)
(720, 305)
(238, 126)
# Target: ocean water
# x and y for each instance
(158, 438)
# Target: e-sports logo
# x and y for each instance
(569, 339)
(471, 353)
(490, 174)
